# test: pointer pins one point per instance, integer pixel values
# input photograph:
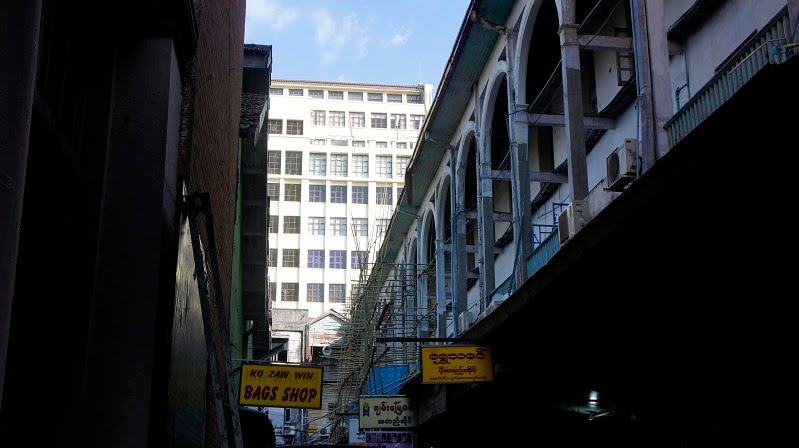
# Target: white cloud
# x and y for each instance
(271, 13)
(399, 38)
(337, 37)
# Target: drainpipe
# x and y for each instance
(19, 41)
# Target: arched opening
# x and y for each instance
(411, 286)
(466, 176)
(429, 273)
(445, 218)
(499, 147)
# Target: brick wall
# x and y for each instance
(216, 109)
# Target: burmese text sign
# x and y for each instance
(280, 385)
(456, 364)
(386, 411)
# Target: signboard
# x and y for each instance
(386, 411)
(280, 385)
(456, 364)
(390, 439)
(357, 437)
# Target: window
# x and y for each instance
(360, 165)
(338, 142)
(272, 291)
(625, 62)
(289, 292)
(378, 120)
(337, 259)
(316, 258)
(338, 165)
(291, 258)
(273, 191)
(335, 95)
(375, 97)
(358, 119)
(295, 92)
(338, 194)
(360, 195)
(383, 167)
(337, 118)
(275, 91)
(381, 226)
(399, 194)
(291, 192)
(275, 126)
(291, 224)
(358, 259)
(402, 145)
(381, 144)
(383, 196)
(416, 122)
(318, 117)
(402, 166)
(273, 223)
(414, 99)
(337, 293)
(293, 162)
(338, 226)
(273, 162)
(272, 258)
(394, 98)
(355, 96)
(318, 94)
(316, 225)
(358, 144)
(398, 121)
(294, 127)
(360, 226)
(316, 292)
(317, 193)
(317, 162)
(317, 141)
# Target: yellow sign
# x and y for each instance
(281, 386)
(456, 364)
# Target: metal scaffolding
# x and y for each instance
(390, 309)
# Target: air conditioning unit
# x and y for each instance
(622, 165)
(464, 320)
(573, 218)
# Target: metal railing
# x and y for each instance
(543, 253)
(765, 48)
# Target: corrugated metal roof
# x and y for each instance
(467, 60)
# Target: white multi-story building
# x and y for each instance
(336, 167)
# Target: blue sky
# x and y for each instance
(371, 41)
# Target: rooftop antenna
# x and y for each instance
(420, 71)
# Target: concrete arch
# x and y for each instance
(523, 45)
(492, 94)
(423, 239)
(444, 185)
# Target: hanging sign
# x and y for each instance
(280, 385)
(386, 411)
(456, 364)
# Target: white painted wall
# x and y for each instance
(717, 38)
(285, 107)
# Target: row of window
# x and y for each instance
(375, 97)
(339, 163)
(337, 227)
(377, 120)
(290, 292)
(359, 143)
(338, 193)
(316, 258)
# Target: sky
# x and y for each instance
(369, 41)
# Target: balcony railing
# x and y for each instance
(764, 48)
(543, 253)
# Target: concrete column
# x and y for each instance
(458, 244)
(520, 170)
(136, 239)
(573, 103)
(441, 285)
(659, 72)
(485, 221)
(19, 34)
